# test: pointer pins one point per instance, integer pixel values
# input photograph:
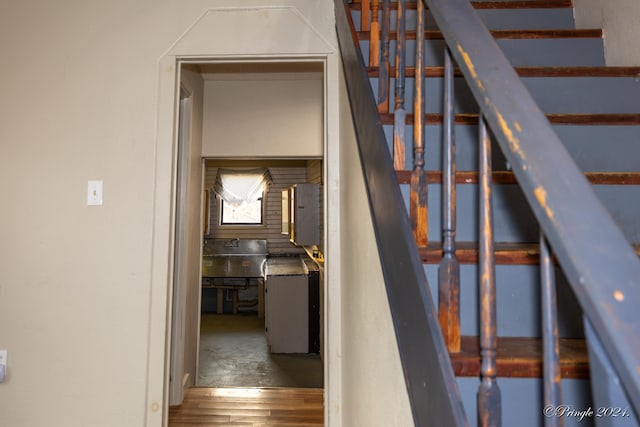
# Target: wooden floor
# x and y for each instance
(298, 407)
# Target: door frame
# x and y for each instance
(164, 222)
(178, 306)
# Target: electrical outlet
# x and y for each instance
(3, 357)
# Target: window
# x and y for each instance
(241, 194)
(249, 212)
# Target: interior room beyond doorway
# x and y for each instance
(268, 115)
(239, 327)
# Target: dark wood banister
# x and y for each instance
(431, 385)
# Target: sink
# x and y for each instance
(235, 247)
(233, 265)
(239, 258)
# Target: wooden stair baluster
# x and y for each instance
(550, 339)
(489, 407)
(365, 15)
(399, 111)
(383, 74)
(374, 40)
(419, 186)
(449, 268)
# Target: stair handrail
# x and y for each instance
(431, 385)
(598, 261)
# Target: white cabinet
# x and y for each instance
(302, 217)
(287, 317)
(286, 310)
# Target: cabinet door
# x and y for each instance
(287, 314)
(267, 311)
(284, 209)
(305, 214)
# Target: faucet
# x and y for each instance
(233, 243)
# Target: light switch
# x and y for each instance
(94, 193)
(3, 365)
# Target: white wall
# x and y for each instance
(283, 176)
(244, 116)
(374, 392)
(88, 92)
(620, 20)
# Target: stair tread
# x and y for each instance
(520, 4)
(576, 71)
(504, 34)
(467, 253)
(505, 253)
(522, 357)
(507, 177)
(568, 119)
(523, 4)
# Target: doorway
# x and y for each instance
(246, 133)
(234, 349)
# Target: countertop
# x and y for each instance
(285, 266)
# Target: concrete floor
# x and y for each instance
(234, 353)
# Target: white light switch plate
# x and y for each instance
(3, 365)
(94, 193)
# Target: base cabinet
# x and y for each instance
(287, 314)
(292, 305)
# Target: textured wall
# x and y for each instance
(283, 177)
(242, 117)
(88, 92)
(373, 383)
(620, 20)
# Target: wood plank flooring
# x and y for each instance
(299, 407)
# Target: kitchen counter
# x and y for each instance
(285, 266)
(288, 301)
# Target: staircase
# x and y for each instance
(595, 111)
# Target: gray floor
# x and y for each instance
(234, 353)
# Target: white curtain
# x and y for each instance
(239, 186)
